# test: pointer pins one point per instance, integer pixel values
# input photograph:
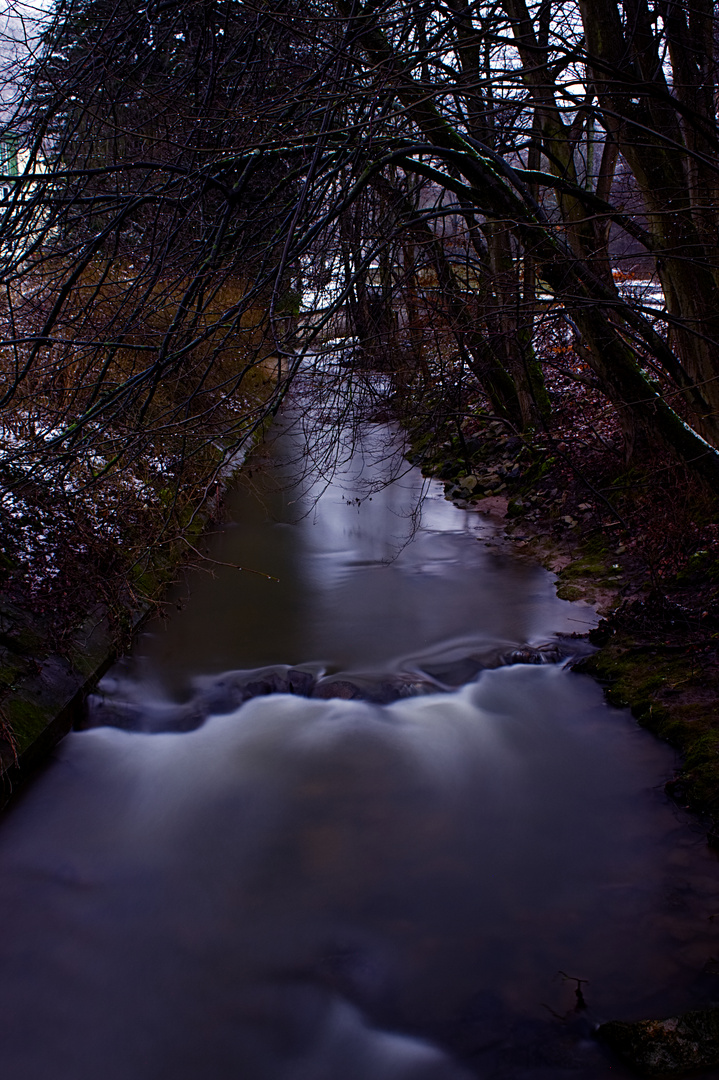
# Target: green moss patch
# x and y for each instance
(569, 592)
(674, 692)
(27, 720)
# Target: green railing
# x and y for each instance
(8, 155)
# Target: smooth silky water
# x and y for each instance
(304, 889)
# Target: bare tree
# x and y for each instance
(202, 161)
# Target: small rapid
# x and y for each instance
(359, 822)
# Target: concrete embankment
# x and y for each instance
(45, 690)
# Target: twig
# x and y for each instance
(219, 562)
(578, 993)
(8, 735)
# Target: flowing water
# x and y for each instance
(402, 886)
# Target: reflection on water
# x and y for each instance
(369, 579)
(312, 890)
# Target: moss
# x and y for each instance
(24, 640)
(587, 566)
(26, 719)
(569, 592)
(596, 545)
(589, 572)
(11, 670)
(535, 472)
(670, 697)
(703, 750)
(701, 566)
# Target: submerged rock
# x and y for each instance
(378, 692)
(337, 688)
(668, 1047)
(214, 695)
(225, 693)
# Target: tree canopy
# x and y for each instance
(447, 182)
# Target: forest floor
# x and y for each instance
(640, 542)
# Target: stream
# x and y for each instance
(357, 823)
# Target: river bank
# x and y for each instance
(430, 862)
(656, 646)
(639, 543)
(49, 661)
(61, 631)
